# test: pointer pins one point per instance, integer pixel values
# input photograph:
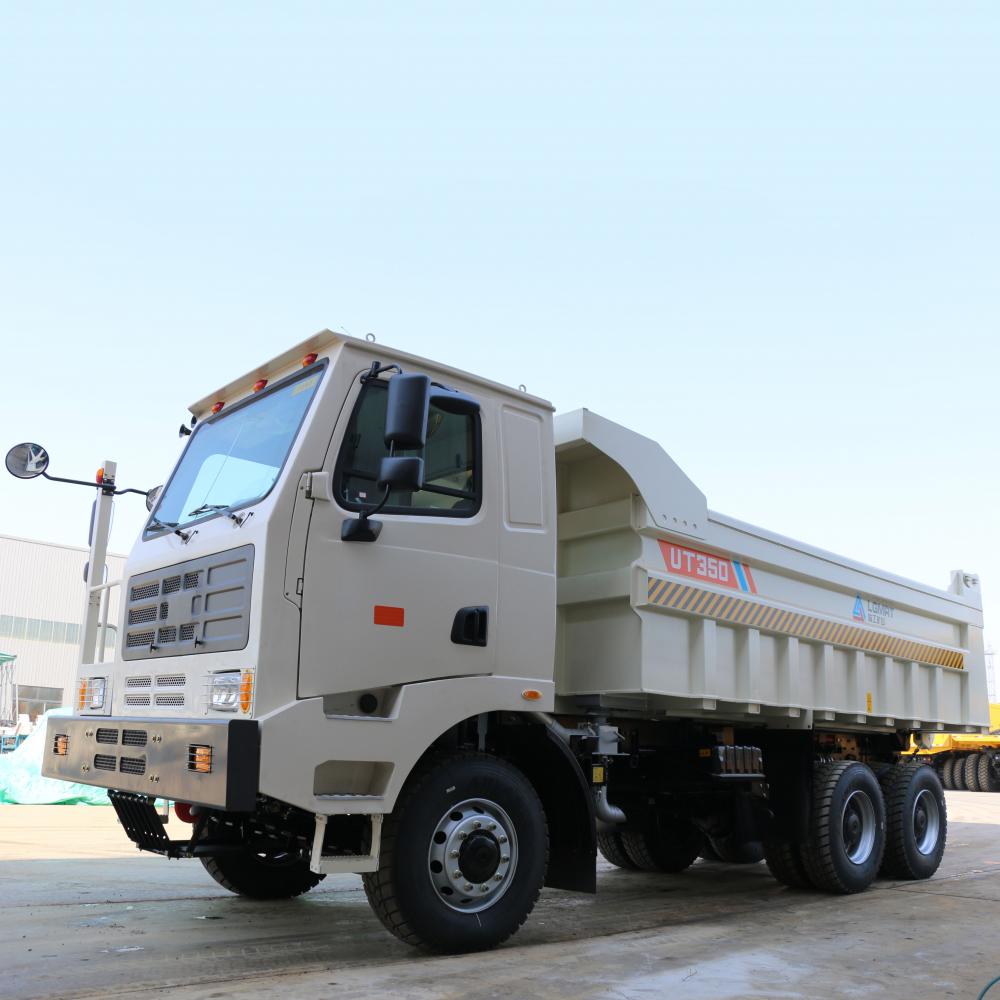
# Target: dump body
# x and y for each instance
(668, 608)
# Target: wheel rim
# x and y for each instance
(926, 822)
(858, 827)
(472, 855)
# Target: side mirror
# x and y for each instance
(399, 472)
(27, 461)
(152, 496)
(406, 410)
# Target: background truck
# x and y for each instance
(391, 618)
(968, 762)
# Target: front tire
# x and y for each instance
(463, 857)
(663, 846)
(259, 876)
(847, 828)
(916, 821)
(784, 861)
(611, 846)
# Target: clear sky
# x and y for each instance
(764, 234)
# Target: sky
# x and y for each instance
(765, 235)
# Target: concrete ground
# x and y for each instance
(85, 915)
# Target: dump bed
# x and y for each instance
(667, 608)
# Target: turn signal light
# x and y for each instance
(259, 384)
(531, 695)
(309, 359)
(199, 758)
(217, 406)
(81, 696)
(246, 691)
(60, 745)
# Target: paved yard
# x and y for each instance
(86, 915)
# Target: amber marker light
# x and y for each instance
(61, 745)
(200, 759)
(530, 694)
(81, 696)
(259, 384)
(309, 359)
(246, 691)
(218, 406)
(100, 475)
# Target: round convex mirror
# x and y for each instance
(152, 496)
(26, 461)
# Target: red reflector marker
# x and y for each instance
(309, 359)
(385, 615)
(218, 406)
(259, 384)
(183, 812)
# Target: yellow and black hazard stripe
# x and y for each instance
(754, 614)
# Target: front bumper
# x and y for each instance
(157, 757)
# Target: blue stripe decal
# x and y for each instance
(744, 586)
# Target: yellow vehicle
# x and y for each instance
(967, 762)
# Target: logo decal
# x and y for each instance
(872, 612)
(859, 609)
(718, 570)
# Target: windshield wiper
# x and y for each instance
(206, 507)
(170, 526)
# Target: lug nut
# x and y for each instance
(468, 887)
(454, 854)
(503, 840)
(504, 860)
(493, 826)
(477, 824)
(458, 873)
(498, 877)
(462, 835)
(484, 888)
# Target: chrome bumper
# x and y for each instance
(157, 757)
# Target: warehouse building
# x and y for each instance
(41, 620)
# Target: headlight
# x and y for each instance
(226, 691)
(96, 686)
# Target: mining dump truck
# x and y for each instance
(969, 763)
(391, 618)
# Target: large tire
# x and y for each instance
(258, 876)
(946, 779)
(958, 774)
(916, 822)
(971, 772)
(480, 814)
(846, 828)
(784, 861)
(663, 846)
(610, 845)
(989, 781)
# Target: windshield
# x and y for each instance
(234, 459)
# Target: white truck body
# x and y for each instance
(565, 567)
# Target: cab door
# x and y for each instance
(420, 601)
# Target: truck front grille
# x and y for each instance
(107, 735)
(105, 762)
(132, 765)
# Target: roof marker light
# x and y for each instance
(218, 406)
(100, 475)
(309, 359)
(259, 384)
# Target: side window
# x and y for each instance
(452, 472)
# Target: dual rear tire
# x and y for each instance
(862, 826)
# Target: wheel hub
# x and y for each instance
(926, 822)
(472, 855)
(858, 827)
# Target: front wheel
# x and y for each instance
(263, 876)
(463, 855)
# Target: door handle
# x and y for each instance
(470, 626)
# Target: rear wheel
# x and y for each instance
(958, 774)
(784, 861)
(971, 772)
(463, 855)
(847, 828)
(664, 846)
(263, 876)
(989, 781)
(916, 822)
(611, 846)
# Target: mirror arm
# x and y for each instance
(96, 486)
